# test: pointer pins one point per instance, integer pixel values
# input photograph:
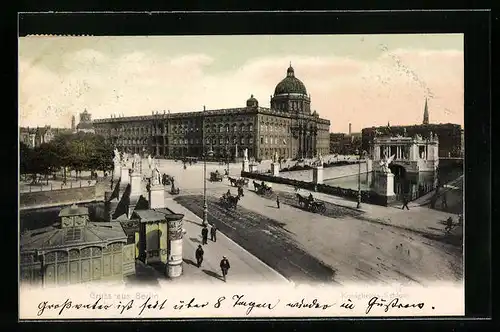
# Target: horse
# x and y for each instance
(230, 201)
(313, 206)
(232, 181)
(303, 201)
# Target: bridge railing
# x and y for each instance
(366, 196)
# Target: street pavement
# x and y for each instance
(372, 244)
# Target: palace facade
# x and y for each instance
(288, 127)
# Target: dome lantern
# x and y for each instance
(290, 84)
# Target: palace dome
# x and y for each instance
(290, 84)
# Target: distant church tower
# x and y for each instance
(73, 123)
(426, 114)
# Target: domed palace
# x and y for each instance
(287, 128)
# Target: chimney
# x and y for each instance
(350, 128)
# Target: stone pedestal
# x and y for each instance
(156, 197)
(252, 167)
(318, 174)
(135, 184)
(275, 169)
(384, 185)
(246, 166)
(175, 234)
(124, 176)
(117, 172)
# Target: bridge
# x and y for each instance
(451, 158)
(414, 154)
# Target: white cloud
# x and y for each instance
(342, 89)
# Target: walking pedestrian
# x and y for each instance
(405, 203)
(204, 235)
(444, 202)
(224, 266)
(449, 224)
(278, 201)
(199, 255)
(213, 233)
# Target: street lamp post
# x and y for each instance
(359, 153)
(205, 206)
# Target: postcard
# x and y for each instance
(250, 176)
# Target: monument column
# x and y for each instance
(125, 175)
(156, 192)
(318, 174)
(135, 183)
(174, 263)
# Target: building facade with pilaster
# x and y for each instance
(287, 127)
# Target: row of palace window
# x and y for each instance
(273, 140)
(278, 128)
(209, 140)
(294, 105)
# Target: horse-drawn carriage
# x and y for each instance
(310, 204)
(240, 182)
(174, 191)
(166, 179)
(215, 177)
(229, 201)
(262, 188)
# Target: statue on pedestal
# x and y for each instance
(116, 158)
(245, 154)
(156, 180)
(136, 163)
(320, 159)
(275, 157)
(384, 164)
(150, 162)
(124, 159)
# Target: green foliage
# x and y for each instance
(81, 151)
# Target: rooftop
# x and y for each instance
(54, 237)
(156, 215)
(73, 210)
(215, 112)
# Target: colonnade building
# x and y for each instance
(288, 127)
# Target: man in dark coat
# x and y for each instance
(213, 233)
(278, 201)
(204, 235)
(405, 203)
(444, 202)
(199, 255)
(224, 266)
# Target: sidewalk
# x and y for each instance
(245, 268)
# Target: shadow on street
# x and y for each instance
(195, 240)
(213, 274)
(189, 262)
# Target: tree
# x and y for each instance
(25, 158)
(46, 159)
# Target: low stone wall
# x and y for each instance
(328, 173)
(369, 197)
(62, 197)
